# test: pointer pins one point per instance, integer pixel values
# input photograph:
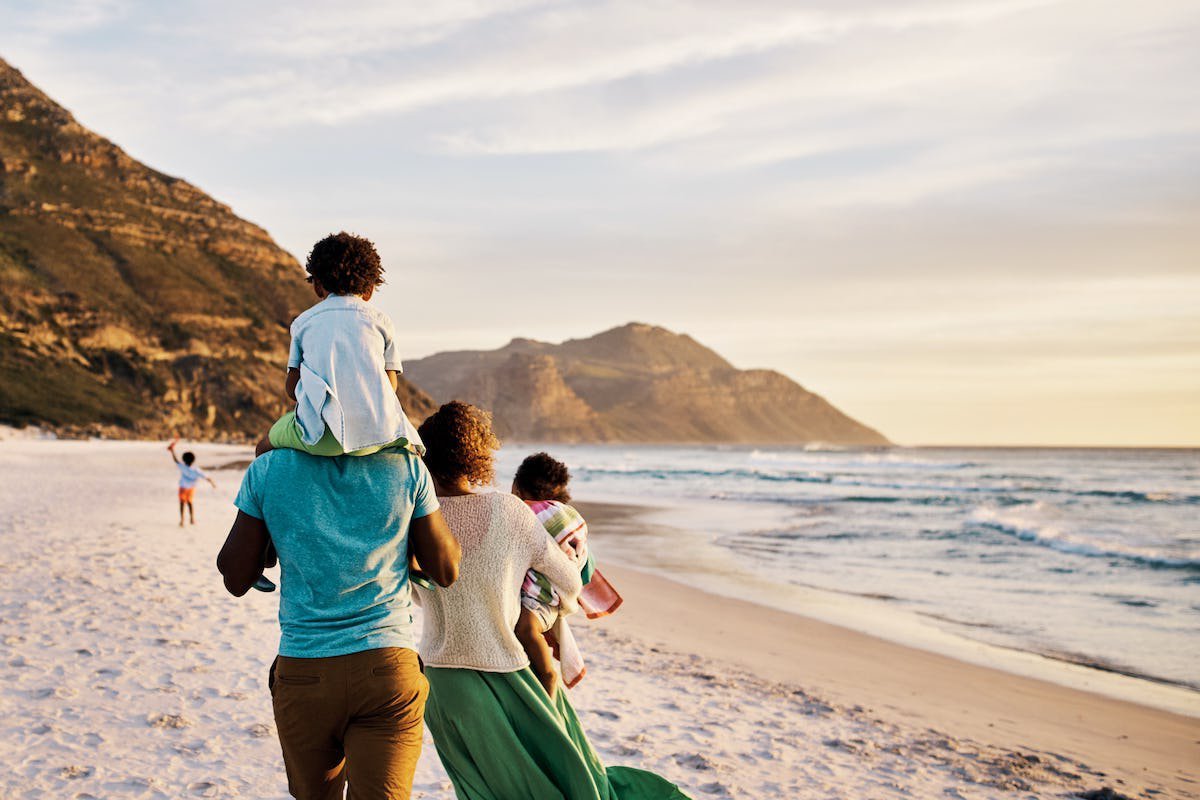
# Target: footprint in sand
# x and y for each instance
(203, 789)
(73, 772)
(693, 761)
(168, 721)
(260, 730)
(715, 788)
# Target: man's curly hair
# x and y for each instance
(459, 442)
(542, 477)
(345, 264)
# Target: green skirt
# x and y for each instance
(500, 737)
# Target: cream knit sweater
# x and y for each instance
(470, 623)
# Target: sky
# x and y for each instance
(962, 222)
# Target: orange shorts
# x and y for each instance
(186, 495)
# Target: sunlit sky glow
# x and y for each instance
(961, 222)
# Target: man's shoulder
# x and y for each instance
(393, 461)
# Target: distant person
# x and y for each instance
(189, 476)
(541, 481)
(499, 733)
(343, 362)
(347, 688)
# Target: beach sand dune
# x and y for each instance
(129, 673)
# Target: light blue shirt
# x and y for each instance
(190, 476)
(340, 526)
(343, 348)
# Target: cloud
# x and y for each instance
(854, 192)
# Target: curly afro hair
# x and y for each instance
(459, 442)
(345, 264)
(541, 477)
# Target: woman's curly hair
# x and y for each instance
(542, 477)
(345, 264)
(459, 442)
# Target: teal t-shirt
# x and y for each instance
(340, 526)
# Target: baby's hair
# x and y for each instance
(459, 442)
(189, 457)
(345, 264)
(542, 477)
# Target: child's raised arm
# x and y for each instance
(171, 450)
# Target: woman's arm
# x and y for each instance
(548, 558)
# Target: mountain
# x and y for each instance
(635, 383)
(134, 304)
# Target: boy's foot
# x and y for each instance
(181, 523)
(264, 584)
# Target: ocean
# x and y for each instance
(1090, 557)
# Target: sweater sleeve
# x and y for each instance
(547, 557)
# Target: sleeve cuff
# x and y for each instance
(248, 511)
(426, 511)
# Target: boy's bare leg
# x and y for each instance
(191, 512)
(541, 658)
(263, 446)
(181, 505)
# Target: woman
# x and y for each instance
(499, 733)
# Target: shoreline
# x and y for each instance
(667, 522)
(1134, 743)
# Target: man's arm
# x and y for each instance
(433, 549)
(241, 558)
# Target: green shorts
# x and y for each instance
(285, 434)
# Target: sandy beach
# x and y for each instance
(130, 673)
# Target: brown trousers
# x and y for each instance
(354, 719)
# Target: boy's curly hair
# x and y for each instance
(542, 477)
(459, 442)
(345, 264)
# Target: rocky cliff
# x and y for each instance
(134, 304)
(635, 383)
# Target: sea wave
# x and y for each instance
(1053, 535)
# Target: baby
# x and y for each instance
(541, 481)
(344, 362)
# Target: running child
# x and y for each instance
(189, 476)
(541, 481)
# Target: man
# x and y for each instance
(347, 687)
